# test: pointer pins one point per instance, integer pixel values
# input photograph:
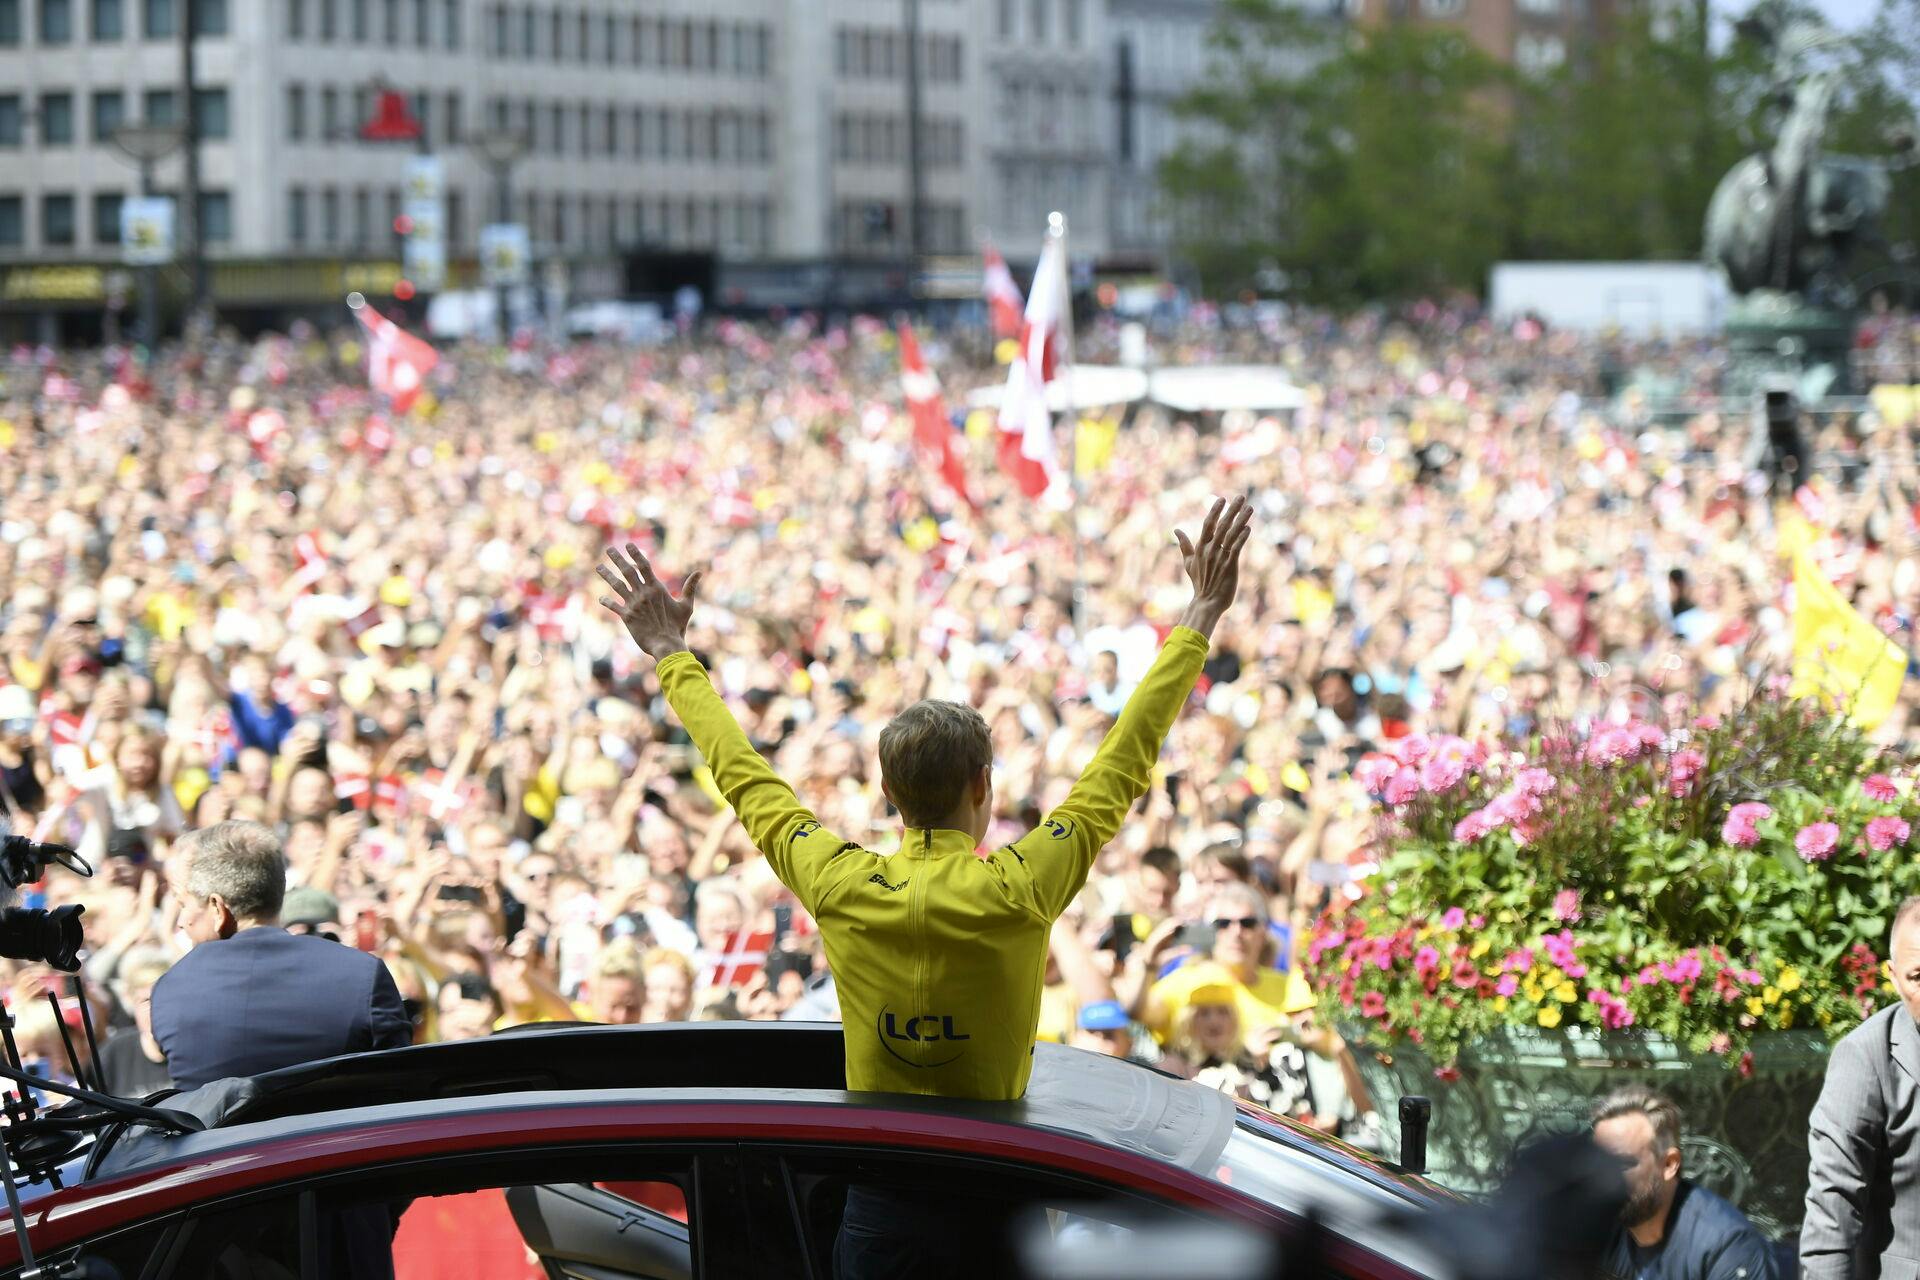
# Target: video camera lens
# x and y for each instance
(51, 937)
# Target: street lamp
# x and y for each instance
(146, 145)
(499, 150)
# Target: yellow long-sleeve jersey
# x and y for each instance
(938, 955)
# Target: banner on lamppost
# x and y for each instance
(146, 230)
(505, 252)
(425, 252)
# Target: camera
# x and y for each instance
(50, 937)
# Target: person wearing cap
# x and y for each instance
(1102, 1026)
(311, 912)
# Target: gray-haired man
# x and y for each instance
(251, 997)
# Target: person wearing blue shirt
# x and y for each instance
(1670, 1229)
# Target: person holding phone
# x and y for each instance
(938, 954)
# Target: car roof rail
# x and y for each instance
(559, 1056)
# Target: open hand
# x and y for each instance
(1214, 563)
(653, 616)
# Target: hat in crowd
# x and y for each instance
(1210, 993)
(16, 703)
(1104, 1015)
(309, 906)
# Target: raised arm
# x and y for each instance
(1060, 852)
(782, 828)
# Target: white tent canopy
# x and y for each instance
(1199, 389)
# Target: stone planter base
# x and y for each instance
(1746, 1138)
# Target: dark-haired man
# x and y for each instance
(1670, 1229)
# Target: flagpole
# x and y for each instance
(1057, 230)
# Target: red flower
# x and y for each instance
(1447, 1074)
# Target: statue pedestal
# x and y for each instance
(1775, 338)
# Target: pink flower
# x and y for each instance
(1415, 748)
(1452, 918)
(1426, 962)
(1722, 1044)
(1520, 961)
(1816, 841)
(1682, 769)
(1373, 1004)
(1465, 976)
(1475, 826)
(1742, 829)
(1566, 906)
(1403, 786)
(1534, 782)
(1650, 735)
(1884, 833)
(1613, 744)
(1374, 772)
(1648, 976)
(1442, 773)
(1746, 1064)
(1706, 724)
(1614, 1013)
(1447, 1075)
(1880, 787)
(1507, 985)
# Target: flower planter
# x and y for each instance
(1746, 1137)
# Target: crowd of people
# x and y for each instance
(238, 587)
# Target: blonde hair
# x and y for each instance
(620, 959)
(929, 755)
(1186, 1044)
(669, 957)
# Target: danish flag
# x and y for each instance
(397, 362)
(1003, 295)
(1026, 425)
(312, 562)
(932, 435)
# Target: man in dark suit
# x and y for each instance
(1863, 1188)
(251, 997)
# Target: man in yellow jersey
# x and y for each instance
(938, 954)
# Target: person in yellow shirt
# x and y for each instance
(1242, 960)
(938, 955)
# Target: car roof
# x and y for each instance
(1081, 1095)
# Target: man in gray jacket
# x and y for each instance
(1863, 1189)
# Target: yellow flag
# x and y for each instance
(1897, 406)
(1838, 655)
(1093, 445)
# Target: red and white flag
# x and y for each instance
(1026, 447)
(1003, 295)
(397, 362)
(932, 436)
(311, 561)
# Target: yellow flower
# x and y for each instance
(1789, 979)
(1479, 948)
(1425, 932)
(1566, 993)
(1771, 995)
(1534, 991)
(1786, 1018)
(1824, 1018)
(1499, 1004)
(1550, 1016)
(1756, 1006)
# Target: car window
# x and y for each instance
(255, 1239)
(893, 1213)
(122, 1255)
(614, 1216)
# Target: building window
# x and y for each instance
(57, 219)
(13, 222)
(583, 39)
(1076, 21)
(296, 113)
(1003, 19)
(106, 217)
(329, 20)
(557, 35)
(56, 119)
(329, 216)
(609, 41)
(613, 131)
(10, 32)
(422, 25)
(497, 31)
(451, 19)
(56, 21)
(158, 106)
(450, 120)
(11, 120)
(296, 215)
(390, 22)
(362, 216)
(456, 218)
(1537, 54)
(216, 217)
(210, 114)
(1544, 8)
(637, 42)
(329, 114)
(109, 113)
(1444, 8)
(529, 28)
(209, 17)
(109, 20)
(586, 130)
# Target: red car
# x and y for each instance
(693, 1150)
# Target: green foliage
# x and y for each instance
(1400, 161)
(1704, 882)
